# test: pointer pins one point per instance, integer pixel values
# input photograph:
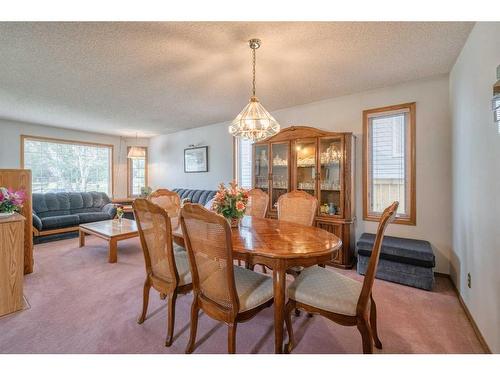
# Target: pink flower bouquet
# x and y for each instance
(230, 202)
(11, 201)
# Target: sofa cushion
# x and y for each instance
(57, 204)
(88, 202)
(75, 201)
(84, 210)
(97, 199)
(89, 217)
(37, 222)
(402, 250)
(63, 221)
(39, 203)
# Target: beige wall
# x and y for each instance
(10, 146)
(167, 158)
(476, 179)
(343, 114)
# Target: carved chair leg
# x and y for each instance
(231, 338)
(194, 326)
(145, 301)
(290, 306)
(373, 323)
(171, 318)
(366, 335)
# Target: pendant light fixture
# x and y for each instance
(254, 122)
(136, 152)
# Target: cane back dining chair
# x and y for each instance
(299, 207)
(166, 271)
(168, 200)
(257, 207)
(225, 292)
(257, 203)
(340, 298)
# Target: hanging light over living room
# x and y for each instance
(136, 152)
(254, 122)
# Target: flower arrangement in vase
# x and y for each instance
(119, 213)
(11, 201)
(231, 202)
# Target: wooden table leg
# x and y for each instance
(113, 251)
(82, 238)
(279, 283)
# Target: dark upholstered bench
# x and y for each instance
(402, 260)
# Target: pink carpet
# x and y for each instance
(82, 304)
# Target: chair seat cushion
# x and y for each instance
(63, 221)
(182, 264)
(326, 290)
(253, 288)
(89, 217)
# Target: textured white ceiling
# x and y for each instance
(160, 77)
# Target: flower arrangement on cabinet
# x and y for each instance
(231, 202)
(11, 201)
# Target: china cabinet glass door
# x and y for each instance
(261, 168)
(305, 162)
(331, 181)
(279, 170)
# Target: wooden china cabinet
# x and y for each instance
(320, 163)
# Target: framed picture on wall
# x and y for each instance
(196, 159)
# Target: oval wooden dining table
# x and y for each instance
(278, 245)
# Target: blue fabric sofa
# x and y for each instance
(196, 196)
(62, 212)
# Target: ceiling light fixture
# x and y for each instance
(254, 122)
(136, 152)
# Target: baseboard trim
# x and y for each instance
(478, 333)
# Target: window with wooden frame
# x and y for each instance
(242, 162)
(137, 174)
(61, 165)
(389, 162)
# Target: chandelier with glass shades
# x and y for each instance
(254, 123)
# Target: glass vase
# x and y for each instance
(234, 222)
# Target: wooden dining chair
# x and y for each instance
(166, 271)
(168, 200)
(225, 292)
(257, 207)
(297, 206)
(338, 297)
(257, 203)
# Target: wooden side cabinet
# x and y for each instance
(11, 263)
(320, 163)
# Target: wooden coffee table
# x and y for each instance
(111, 231)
